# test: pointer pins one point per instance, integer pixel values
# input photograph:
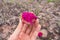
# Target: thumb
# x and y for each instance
(16, 32)
(18, 29)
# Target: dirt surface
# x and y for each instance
(47, 12)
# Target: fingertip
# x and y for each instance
(39, 26)
(37, 20)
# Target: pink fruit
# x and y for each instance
(29, 16)
(40, 34)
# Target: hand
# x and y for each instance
(25, 31)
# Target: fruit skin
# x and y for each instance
(29, 16)
(40, 34)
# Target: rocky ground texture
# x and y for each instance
(47, 12)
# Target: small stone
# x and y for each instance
(51, 4)
(45, 33)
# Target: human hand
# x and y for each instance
(27, 28)
(29, 32)
(23, 32)
(26, 32)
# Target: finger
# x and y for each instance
(33, 37)
(18, 29)
(19, 25)
(24, 36)
(36, 22)
(24, 28)
(33, 29)
(34, 26)
(28, 31)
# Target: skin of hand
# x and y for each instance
(25, 31)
